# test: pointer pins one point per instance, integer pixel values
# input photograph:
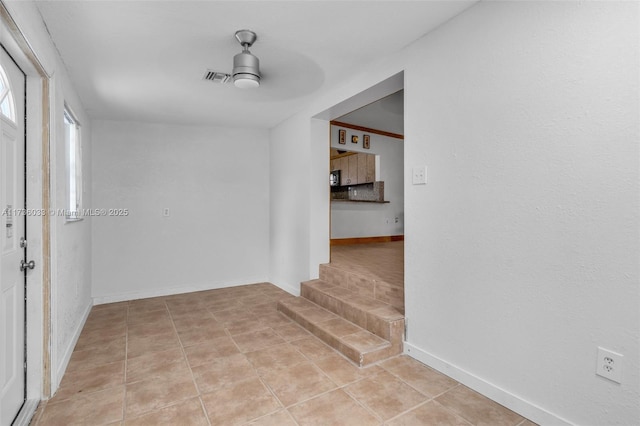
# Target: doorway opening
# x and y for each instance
(367, 197)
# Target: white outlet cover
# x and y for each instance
(609, 365)
(419, 175)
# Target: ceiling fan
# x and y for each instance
(246, 66)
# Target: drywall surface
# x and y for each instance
(289, 207)
(197, 203)
(351, 220)
(522, 249)
(521, 252)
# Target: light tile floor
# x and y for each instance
(380, 261)
(225, 357)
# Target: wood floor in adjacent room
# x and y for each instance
(225, 357)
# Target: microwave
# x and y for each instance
(334, 178)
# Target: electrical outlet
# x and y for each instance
(609, 365)
(420, 175)
(166, 212)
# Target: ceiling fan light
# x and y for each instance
(246, 81)
(246, 70)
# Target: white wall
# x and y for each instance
(70, 244)
(289, 207)
(71, 241)
(352, 220)
(215, 183)
(521, 253)
(523, 248)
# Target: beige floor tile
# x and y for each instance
(239, 403)
(136, 317)
(257, 340)
(313, 348)
(233, 315)
(222, 372)
(152, 394)
(291, 331)
(197, 319)
(279, 418)
(150, 304)
(430, 413)
(153, 328)
(156, 365)
(476, 408)
(201, 334)
(274, 358)
(102, 338)
(192, 314)
(341, 371)
(297, 383)
(333, 408)
(107, 316)
(89, 380)
(98, 355)
(340, 327)
(189, 412)
(385, 394)
(418, 375)
(161, 388)
(245, 326)
(97, 408)
(209, 351)
(275, 319)
(364, 341)
(139, 345)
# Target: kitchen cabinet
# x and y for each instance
(355, 168)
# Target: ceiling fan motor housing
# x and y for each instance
(246, 67)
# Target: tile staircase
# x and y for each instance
(342, 309)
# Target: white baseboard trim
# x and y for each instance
(145, 294)
(295, 290)
(26, 412)
(64, 362)
(497, 394)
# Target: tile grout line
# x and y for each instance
(186, 360)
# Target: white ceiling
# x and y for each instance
(144, 60)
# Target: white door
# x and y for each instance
(12, 229)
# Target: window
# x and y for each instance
(74, 166)
(6, 98)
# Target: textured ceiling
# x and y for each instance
(145, 60)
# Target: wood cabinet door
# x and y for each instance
(343, 166)
(353, 170)
(362, 168)
(371, 168)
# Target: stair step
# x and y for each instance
(356, 343)
(372, 315)
(364, 285)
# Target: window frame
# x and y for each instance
(73, 161)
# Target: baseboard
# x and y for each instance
(145, 294)
(26, 412)
(366, 240)
(64, 362)
(497, 394)
(291, 289)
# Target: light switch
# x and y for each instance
(420, 175)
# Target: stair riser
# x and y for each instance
(388, 330)
(359, 359)
(378, 290)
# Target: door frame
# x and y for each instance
(38, 136)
